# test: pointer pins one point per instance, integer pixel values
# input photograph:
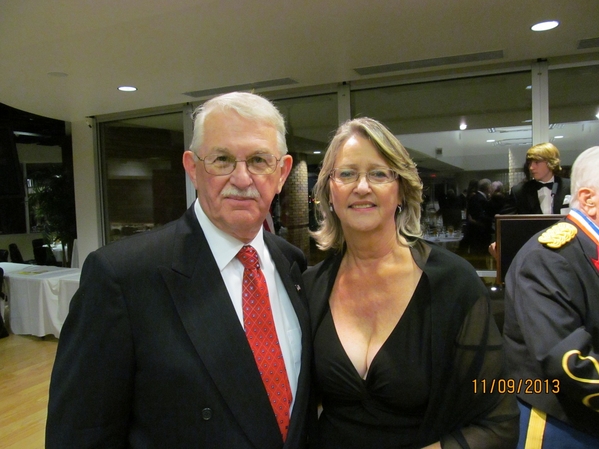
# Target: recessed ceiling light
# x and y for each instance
(463, 126)
(490, 141)
(316, 152)
(528, 87)
(544, 26)
(127, 88)
(558, 137)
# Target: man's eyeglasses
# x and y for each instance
(376, 176)
(224, 164)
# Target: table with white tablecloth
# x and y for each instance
(39, 297)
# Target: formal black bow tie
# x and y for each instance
(539, 185)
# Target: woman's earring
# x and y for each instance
(331, 207)
(399, 208)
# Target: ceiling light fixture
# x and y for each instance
(558, 137)
(463, 126)
(127, 88)
(544, 26)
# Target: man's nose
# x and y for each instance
(240, 176)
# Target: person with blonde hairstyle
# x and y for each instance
(403, 336)
(545, 192)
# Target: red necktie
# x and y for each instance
(262, 336)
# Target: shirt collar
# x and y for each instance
(223, 246)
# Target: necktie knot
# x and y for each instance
(248, 256)
(539, 185)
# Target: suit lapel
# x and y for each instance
(533, 199)
(560, 195)
(210, 320)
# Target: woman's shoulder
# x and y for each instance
(444, 260)
(323, 268)
(449, 270)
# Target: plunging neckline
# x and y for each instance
(374, 358)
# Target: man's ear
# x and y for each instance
(586, 202)
(286, 165)
(190, 165)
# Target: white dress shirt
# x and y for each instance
(224, 249)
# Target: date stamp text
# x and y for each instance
(517, 386)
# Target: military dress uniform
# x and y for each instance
(551, 335)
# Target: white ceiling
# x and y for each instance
(167, 48)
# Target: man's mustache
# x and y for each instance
(250, 192)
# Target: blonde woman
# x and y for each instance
(405, 346)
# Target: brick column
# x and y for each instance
(294, 205)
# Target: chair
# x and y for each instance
(37, 242)
(3, 255)
(44, 255)
(15, 254)
(3, 330)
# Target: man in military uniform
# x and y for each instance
(551, 327)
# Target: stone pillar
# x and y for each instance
(294, 205)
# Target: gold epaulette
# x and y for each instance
(558, 235)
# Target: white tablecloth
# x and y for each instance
(39, 297)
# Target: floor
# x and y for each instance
(25, 367)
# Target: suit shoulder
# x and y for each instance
(291, 252)
(565, 182)
(141, 246)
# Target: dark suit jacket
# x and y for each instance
(152, 353)
(524, 199)
(480, 224)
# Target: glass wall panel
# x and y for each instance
(457, 131)
(573, 111)
(143, 175)
(310, 123)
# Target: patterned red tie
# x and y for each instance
(262, 337)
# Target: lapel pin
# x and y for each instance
(297, 287)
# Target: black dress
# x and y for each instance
(449, 327)
(386, 409)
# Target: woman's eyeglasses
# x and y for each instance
(376, 176)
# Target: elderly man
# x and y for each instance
(552, 323)
(196, 334)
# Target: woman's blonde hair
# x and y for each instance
(330, 234)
